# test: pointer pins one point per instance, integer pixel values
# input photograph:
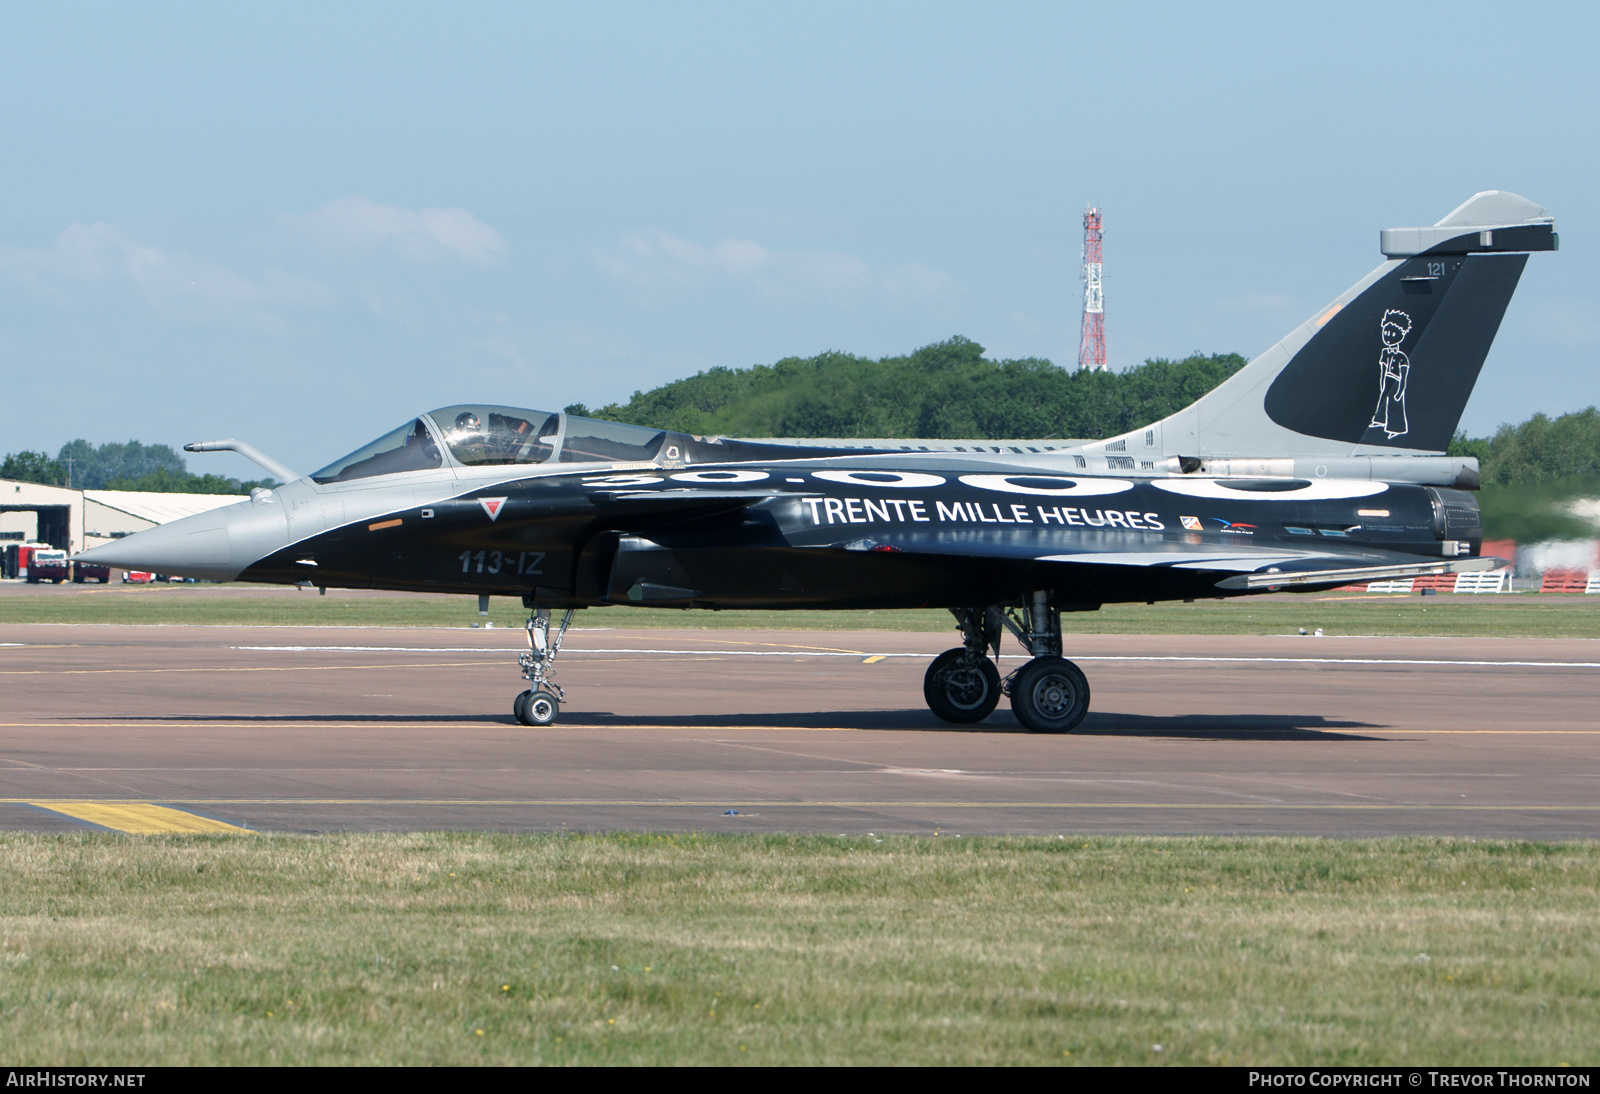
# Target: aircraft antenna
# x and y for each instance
(1092, 343)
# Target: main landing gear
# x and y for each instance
(539, 705)
(1049, 694)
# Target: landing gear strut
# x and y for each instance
(539, 705)
(962, 685)
(1049, 694)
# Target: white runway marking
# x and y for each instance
(1197, 658)
(1358, 661)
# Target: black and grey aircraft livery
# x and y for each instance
(1321, 463)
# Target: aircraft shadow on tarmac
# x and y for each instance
(1205, 727)
(1217, 727)
(1227, 727)
(1198, 727)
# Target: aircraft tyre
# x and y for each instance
(536, 708)
(961, 686)
(1050, 695)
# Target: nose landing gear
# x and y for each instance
(540, 704)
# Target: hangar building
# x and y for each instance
(74, 520)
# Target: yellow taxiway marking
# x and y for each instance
(873, 660)
(72, 808)
(388, 727)
(137, 818)
(253, 668)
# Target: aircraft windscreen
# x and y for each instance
(480, 435)
(590, 441)
(409, 448)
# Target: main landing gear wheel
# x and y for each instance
(1049, 695)
(962, 686)
(536, 708)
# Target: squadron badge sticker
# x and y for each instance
(492, 506)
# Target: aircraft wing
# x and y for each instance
(1240, 566)
(1356, 574)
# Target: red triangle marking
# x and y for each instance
(492, 506)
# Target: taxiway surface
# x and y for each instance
(179, 728)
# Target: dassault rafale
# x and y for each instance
(1321, 463)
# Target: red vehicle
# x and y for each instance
(137, 577)
(24, 556)
(45, 563)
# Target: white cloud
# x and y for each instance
(168, 280)
(739, 257)
(87, 260)
(915, 279)
(659, 257)
(363, 224)
(657, 260)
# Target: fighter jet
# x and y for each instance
(1321, 463)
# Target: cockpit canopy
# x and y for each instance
(409, 448)
(480, 435)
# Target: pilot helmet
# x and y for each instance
(467, 422)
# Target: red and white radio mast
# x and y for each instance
(1092, 343)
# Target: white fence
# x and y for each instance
(1493, 581)
(1401, 586)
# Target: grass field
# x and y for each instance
(446, 949)
(1520, 615)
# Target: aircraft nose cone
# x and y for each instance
(212, 546)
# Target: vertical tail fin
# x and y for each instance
(1387, 368)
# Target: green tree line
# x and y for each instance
(948, 389)
(1540, 450)
(1532, 471)
(118, 466)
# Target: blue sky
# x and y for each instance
(301, 224)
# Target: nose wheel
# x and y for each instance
(540, 704)
(536, 708)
